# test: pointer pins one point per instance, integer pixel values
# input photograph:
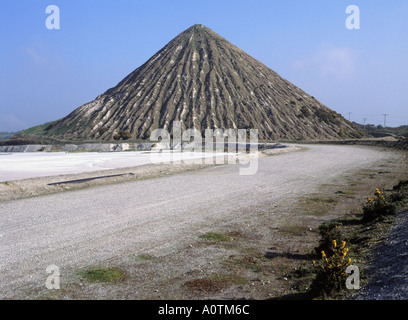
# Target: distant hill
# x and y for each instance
(204, 81)
(7, 135)
(380, 131)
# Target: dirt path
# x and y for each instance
(116, 224)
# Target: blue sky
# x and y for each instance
(45, 74)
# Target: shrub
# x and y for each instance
(125, 135)
(400, 193)
(327, 115)
(305, 111)
(377, 207)
(331, 274)
(102, 130)
(329, 232)
(401, 185)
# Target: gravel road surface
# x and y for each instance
(389, 267)
(79, 228)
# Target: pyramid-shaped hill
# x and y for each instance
(204, 81)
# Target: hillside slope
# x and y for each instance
(204, 81)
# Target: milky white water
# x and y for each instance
(17, 166)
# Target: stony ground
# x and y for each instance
(207, 233)
(388, 270)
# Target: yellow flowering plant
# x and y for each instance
(377, 206)
(331, 273)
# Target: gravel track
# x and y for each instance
(86, 227)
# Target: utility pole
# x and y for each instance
(349, 116)
(364, 122)
(385, 119)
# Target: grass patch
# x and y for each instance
(217, 237)
(103, 275)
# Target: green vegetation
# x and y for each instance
(125, 135)
(331, 273)
(217, 237)
(103, 275)
(305, 112)
(400, 192)
(376, 214)
(329, 232)
(102, 130)
(328, 116)
(378, 207)
(40, 130)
